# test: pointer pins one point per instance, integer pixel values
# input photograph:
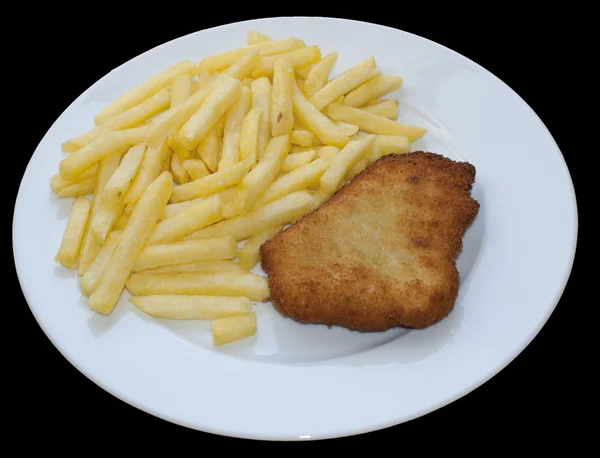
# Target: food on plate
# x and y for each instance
(230, 329)
(180, 180)
(381, 252)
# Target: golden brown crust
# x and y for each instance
(382, 251)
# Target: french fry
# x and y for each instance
(373, 89)
(172, 210)
(57, 182)
(210, 184)
(262, 175)
(343, 161)
(230, 153)
(387, 144)
(209, 149)
(297, 58)
(88, 281)
(301, 138)
(70, 244)
(217, 62)
(175, 117)
(78, 162)
(125, 120)
(316, 122)
(141, 224)
(355, 170)
(199, 267)
(178, 171)
(181, 307)
(193, 219)
(297, 180)
(249, 134)
(247, 82)
(78, 189)
(186, 251)
(348, 129)
(302, 73)
(253, 37)
(149, 169)
(228, 210)
(230, 329)
(318, 75)
(203, 79)
(106, 217)
(121, 222)
(254, 287)
(121, 179)
(195, 168)
(143, 91)
(372, 123)
(343, 84)
(261, 98)
(282, 111)
(181, 88)
(296, 160)
(216, 104)
(249, 254)
(277, 213)
(386, 108)
(91, 246)
(328, 152)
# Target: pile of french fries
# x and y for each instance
(198, 158)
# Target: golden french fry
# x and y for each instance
(355, 170)
(218, 62)
(181, 88)
(179, 173)
(228, 210)
(91, 246)
(210, 184)
(121, 222)
(348, 129)
(216, 104)
(186, 251)
(57, 182)
(78, 189)
(149, 169)
(209, 149)
(296, 160)
(195, 218)
(385, 108)
(203, 79)
(261, 98)
(262, 175)
(121, 179)
(301, 138)
(175, 117)
(198, 267)
(141, 224)
(282, 111)
(249, 134)
(343, 161)
(373, 89)
(249, 254)
(230, 329)
(277, 213)
(387, 144)
(302, 73)
(298, 58)
(254, 287)
(88, 281)
(296, 180)
(316, 122)
(328, 152)
(181, 307)
(343, 84)
(318, 75)
(70, 244)
(253, 37)
(372, 123)
(143, 91)
(78, 162)
(172, 210)
(128, 119)
(195, 168)
(105, 218)
(230, 153)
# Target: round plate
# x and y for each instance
(292, 381)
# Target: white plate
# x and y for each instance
(292, 381)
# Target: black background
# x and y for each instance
(536, 53)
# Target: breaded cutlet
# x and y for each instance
(381, 252)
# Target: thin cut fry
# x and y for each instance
(249, 254)
(295, 160)
(230, 329)
(318, 74)
(298, 58)
(121, 180)
(373, 89)
(282, 112)
(78, 189)
(386, 108)
(230, 154)
(195, 168)
(57, 182)
(209, 149)
(181, 307)
(249, 135)
(88, 281)
(253, 37)
(344, 160)
(261, 98)
(199, 267)
(73, 236)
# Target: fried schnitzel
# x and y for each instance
(381, 252)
